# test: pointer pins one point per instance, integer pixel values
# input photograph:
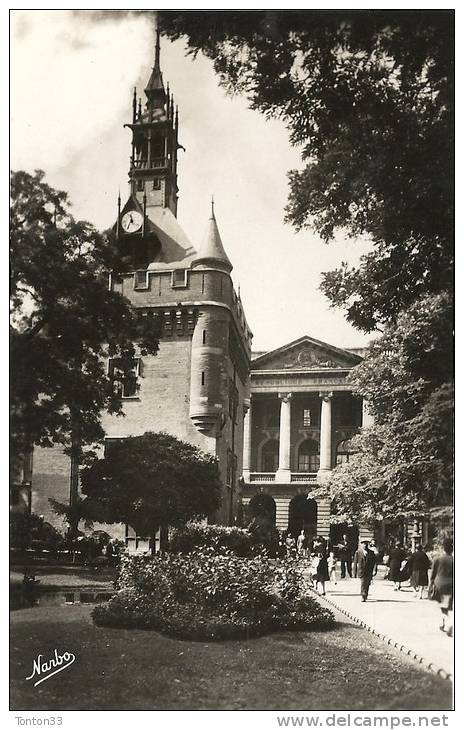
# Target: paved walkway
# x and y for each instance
(411, 624)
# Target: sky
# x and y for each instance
(72, 75)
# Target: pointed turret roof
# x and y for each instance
(212, 252)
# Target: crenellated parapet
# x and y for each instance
(194, 288)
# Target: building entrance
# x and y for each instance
(302, 514)
(263, 508)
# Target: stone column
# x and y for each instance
(283, 474)
(246, 439)
(325, 465)
(367, 418)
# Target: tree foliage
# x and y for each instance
(367, 97)
(403, 465)
(151, 480)
(64, 321)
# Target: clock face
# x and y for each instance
(132, 221)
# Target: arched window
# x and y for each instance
(308, 456)
(270, 456)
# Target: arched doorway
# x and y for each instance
(270, 456)
(263, 508)
(302, 515)
(308, 456)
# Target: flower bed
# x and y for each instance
(207, 596)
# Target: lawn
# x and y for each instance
(65, 576)
(116, 669)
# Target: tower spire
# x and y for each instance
(153, 171)
(155, 86)
(157, 43)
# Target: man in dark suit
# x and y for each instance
(365, 567)
(345, 555)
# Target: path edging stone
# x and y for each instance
(430, 666)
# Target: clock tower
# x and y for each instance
(154, 127)
(147, 228)
(197, 386)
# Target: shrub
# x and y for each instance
(222, 540)
(207, 596)
(264, 534)
(31, 530)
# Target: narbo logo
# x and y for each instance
(57, 663)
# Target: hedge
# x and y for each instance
(222, 540)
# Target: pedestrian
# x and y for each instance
(313, 566)
(290, 544)
(441, 585)
(419, 565)
(322, 571)
(301, 544)
(395, 563)
(345, 554)
(365, 567)
(332, 564)
(281, 549)
(111, 553)
(374, 548)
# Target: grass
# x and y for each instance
(117, 669)
(69, 576)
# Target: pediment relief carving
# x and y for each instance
(306, 356)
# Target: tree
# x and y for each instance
(403, 465)
(367, 97)
(65, 323)
(151, 481)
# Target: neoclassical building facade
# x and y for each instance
(301, 416)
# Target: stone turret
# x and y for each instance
(208, 375)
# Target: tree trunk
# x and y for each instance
(74, 479)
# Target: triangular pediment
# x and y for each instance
(306, 353)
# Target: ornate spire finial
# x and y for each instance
(212, 206)
(157, 44)
(155, 86)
